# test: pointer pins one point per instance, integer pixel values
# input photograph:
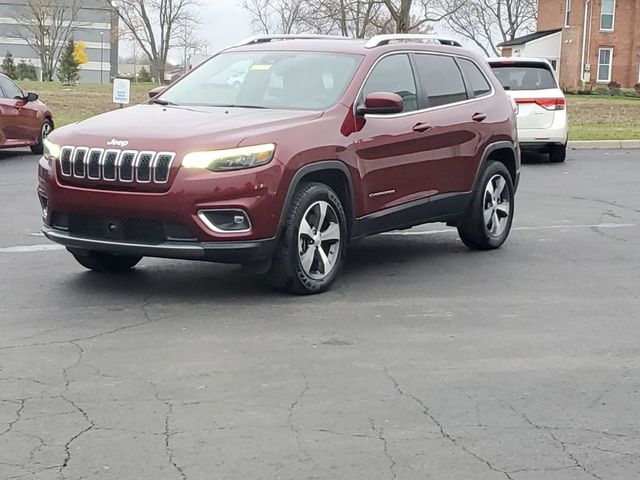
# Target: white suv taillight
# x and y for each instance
(557, 103)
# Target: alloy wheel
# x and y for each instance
(496, 205)
(319, 240)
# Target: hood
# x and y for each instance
(174, 128)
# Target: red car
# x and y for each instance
(24, 120)
(324, 141)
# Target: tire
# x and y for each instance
(46, 128)
(105, 262)
(487, 202)
(312, 247)
(558, 153)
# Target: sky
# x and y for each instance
(224, 22)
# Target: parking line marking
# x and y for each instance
(542, 227)
(31, 248)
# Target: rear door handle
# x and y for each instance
(421, 127)
(479, 117)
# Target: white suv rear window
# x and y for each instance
(524, 77)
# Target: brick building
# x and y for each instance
(599, 40)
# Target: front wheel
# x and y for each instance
(313, 244)
(105, 262)
(45, 130)
(488, 221)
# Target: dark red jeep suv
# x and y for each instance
(277, 152)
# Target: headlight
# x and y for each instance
(51, 150)
(230, 159)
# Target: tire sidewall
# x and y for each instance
(310, 195)
(478, 205)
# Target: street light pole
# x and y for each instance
(101, 56)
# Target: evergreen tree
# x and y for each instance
(9, 66)
(68, 68)
(143, 75)
(26, 71)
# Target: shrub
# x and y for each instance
(9, 66)
(26, 71)
(637, 88)
(143, 75)
(600, 91)
(614, 88)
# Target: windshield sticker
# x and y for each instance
(257, 66)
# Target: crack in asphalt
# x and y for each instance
(379, 431)
(167, 434)
(563, 445)
(444, 434)
(18, 415)
(67, 445)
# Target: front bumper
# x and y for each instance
(243, 252)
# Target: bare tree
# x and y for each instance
(352, 18)
(489, 22)
(189, 43)
(46, 26)
(155, 26)
(277, 16)
(417, 15)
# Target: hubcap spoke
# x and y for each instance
(500, 183)
(495, 224)
(306, 259)
(305, 228)
(503, 208)
(322, 207)
(326, 263)
(488, 213)
(497, 206)
(331, 233)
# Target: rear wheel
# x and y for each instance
(105, 262)
(488, 220)
(313, 244)
(558, 153)
(45, 130)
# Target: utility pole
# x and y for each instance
(101, 56)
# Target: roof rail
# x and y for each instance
(410, 37)
(269, 38)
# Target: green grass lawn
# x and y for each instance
(71, 104)
(595, 117)
(591, 117)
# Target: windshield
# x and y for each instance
(275, 79)
(530, 77)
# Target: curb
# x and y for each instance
(597, 144)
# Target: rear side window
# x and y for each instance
(393, 74)
(524, 77)
(477, 80)
(441, 79)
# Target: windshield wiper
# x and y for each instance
(238, 106)
(159, 101)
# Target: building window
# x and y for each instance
(607, 15)
(567, 12)
(605, 57)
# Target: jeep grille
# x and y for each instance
(116, 165)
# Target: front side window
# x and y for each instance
(604, 64)
(273, 79)
(441, 79)
(607, 14)
(475, 77)
(393, 74)
(10, 89)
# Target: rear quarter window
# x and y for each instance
(474, 76)
(524, 77)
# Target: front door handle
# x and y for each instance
(479, 117)
(421, 127)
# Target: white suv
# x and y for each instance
(542, 114)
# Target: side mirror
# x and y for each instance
(157, 91)
(381, 103)
(31, 97)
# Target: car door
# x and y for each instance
(21, 123)
(453, 136)
(388, 146)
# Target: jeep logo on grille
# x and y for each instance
(117, 143)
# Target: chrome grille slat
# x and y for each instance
(79, 159)
(115, 165)
(66, 154)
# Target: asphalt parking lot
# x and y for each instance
(426, 361)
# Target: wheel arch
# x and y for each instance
(504, 152)
(333, 173)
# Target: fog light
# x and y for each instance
(225, 221)
(44, 203)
